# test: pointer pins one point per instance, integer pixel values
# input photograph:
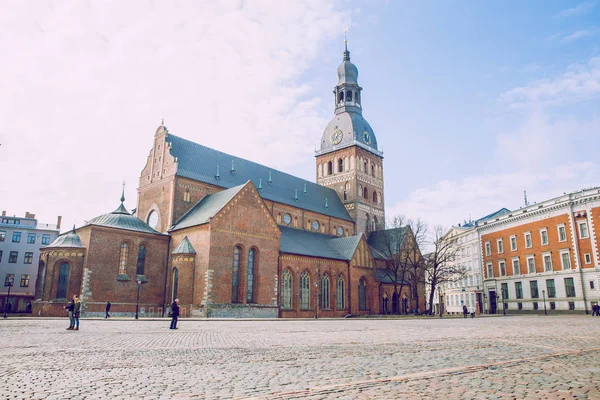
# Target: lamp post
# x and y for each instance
(503, 308)
(137, 298)
(9, 282)
(544, 296)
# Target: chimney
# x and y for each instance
(3, 213)
(58, 222)
(29, 215)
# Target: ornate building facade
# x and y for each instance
(233, 238)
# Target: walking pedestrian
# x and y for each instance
(472, 311)
(70, 309)
(107, 309)
(174, 314)
(76, 311)
(595, 309)
(465, 311)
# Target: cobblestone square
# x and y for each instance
(515, 357)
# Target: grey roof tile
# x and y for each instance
(67, 240)
(185, 247)
(200, 163)
(121, 219)
(386, 240)
(298, 241)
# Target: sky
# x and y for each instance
(471, 102)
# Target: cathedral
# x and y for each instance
(233, 238)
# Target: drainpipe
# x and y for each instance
(349, 290)
(166, 276)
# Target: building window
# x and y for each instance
(2, 236)
(24, 280)
(0, 255)
(286, 290)
(287, 218)
(592, 285)
(551, 288)
(565, 259)
(13, 256)
(547, 262)
(533, 287)
(516, 267)
(490, 270)
(488, 249)
(329, 168)
(175, 283)
(375, 197)
(123, 259)
(187, 197)
(339, 293)
(31, 238)
(552, 305)
(28, 257)
(366, 193)
(348, 95)
(588, 258)
(325, 293)
(304, 291)
(562, 233)
(544, 236)
(502, 268)
(528, 240)
(9, 280)
(16, 237)
(571, 305)
(235, 275)
(583, 230)
(341, 165)
(570, 287)
(250, 279)
(63, 279)
(519, 290)
(500, 243)
(504, 289)
(362, 294)
(531, 265)
(513, 243)
(45, 239)
(141, 261)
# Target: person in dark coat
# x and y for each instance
(107, 309)
(70, 308)
(174, 314)
(76, 311)
(465, 311)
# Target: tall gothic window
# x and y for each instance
(325, 292)
(362, 294)
(341, 96)
(123, 259)
(368, 218)
(374, 223)
(374, 197)
(250, 291)
(366, 193)
(304, 291)
(329, 168)
(141, 261)
(341, 165)
(63, 280)
(235, 275)
(286, 290)
(175, 282)
(340, 293)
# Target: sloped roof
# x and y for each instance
(495, 214)
(298, 241)
(206, 208)
(185, 247)
(121, 219)
(386, 240)
(384, 276)
(67, 240)
(200, 163)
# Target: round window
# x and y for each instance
(315, 225)
(287, 219)
(340, 231)
(153, 219)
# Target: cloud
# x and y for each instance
(580, 82)
(88, 82)
(580, 9)
(578, 35)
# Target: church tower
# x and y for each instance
(348, 160)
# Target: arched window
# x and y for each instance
(360, 190)
(374, 223)
(278, 218)
(304, 291)
(379, 198)
(368, 219)
(341, 165)
(340, 293)
(345, 195)
(375, 197)
(340, 96)
(250, 281)
(235, 275)
(175, 282)
(123, 259)
(349, 95)
(141, 261)
(325, 292)
(362, 294)
(286, 290)
(366, 167)
(329, 168)
(63, 280)
(366, 193)
(373, 169)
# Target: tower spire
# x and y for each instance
(123, 194)
(346, 52)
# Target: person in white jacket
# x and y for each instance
(472, 311)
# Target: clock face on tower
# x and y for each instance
(366, 137)
(336, 137)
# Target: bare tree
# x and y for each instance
(389, 243)
(440, 266)
(413, 257)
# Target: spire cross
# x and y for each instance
(123, 194)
